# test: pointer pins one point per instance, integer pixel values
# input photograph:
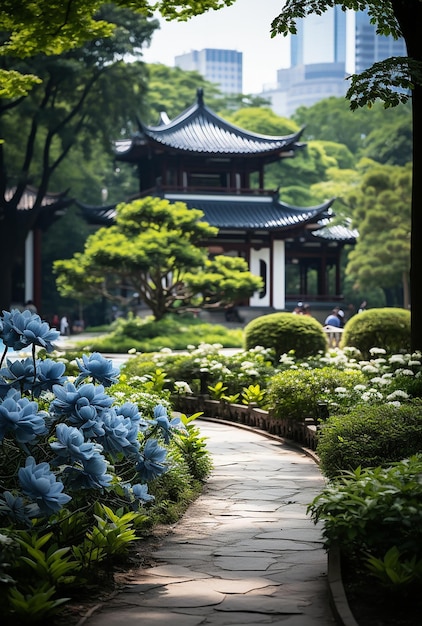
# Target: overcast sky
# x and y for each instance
(244, 26)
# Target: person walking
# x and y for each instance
(64, 326)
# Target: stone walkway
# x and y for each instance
(245, 553)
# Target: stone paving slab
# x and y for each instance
(245, 552)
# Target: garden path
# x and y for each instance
(245, 552)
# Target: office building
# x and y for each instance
(223, 67)
(370, 47)
(322, 56)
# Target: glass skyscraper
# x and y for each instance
(370, 47)
(320, 39)
(318, 55)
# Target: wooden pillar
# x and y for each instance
(322, 274)
(338, 282)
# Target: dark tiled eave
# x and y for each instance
(251, 213)
(337, 232)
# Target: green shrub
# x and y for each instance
(284, 332)
(369, 436)
(296, 393)
(387, 328)
(173, 332)
(371, 510)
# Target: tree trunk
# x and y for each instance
(406, 291)
(10, 249)
(408, 14)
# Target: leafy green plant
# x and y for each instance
(49, 564)
(114, 531)
(370, 510)
(156, 381)
(35, 603)
(253, 395)
(393, 570)
(295, 393)
(232, 398)
(369, 436)
(217, 390)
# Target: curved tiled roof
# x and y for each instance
(337, 233)
(232, 212)
(251, 212)
(199, 130)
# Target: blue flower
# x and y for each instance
(131, 411)
(151, 462)
(160, 411)
(15, 509)
(71, 445)
(140, 491)
(164, 424)
(92, 474)
(69, 398)
(97, 367)
(49, 373)
(21, 417)
(87, 419)
(119, 434)
(19, 374)
(23, 328)
(39, 483)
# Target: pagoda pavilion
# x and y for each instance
(204, 161)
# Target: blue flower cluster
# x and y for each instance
(83, 435)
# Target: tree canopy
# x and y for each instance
(381, 256)
(154, 250)
(84, 93)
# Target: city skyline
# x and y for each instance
(239, 27)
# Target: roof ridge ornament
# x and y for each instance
(200, 96)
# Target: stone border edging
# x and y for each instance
(337, 595)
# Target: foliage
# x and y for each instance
(382, 214)
(387, 327)
(283, 332)
(369, 436)
(199, 368)
(253, 394)
(354, 129)
(76, 465)
(154, 250)
(296, 393)
(83, 95)
(393, 570)
(173, 332)
(194, 448)
(171, 90)
(371, 510)
(223, 281)
(262, 120)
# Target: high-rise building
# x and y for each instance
(320, 61)
(320, 39)
(370, 47)
(223, 67)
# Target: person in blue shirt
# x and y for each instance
(333, 319)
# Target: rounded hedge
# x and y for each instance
(369, 436)
(284, 332)
(387, 328)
